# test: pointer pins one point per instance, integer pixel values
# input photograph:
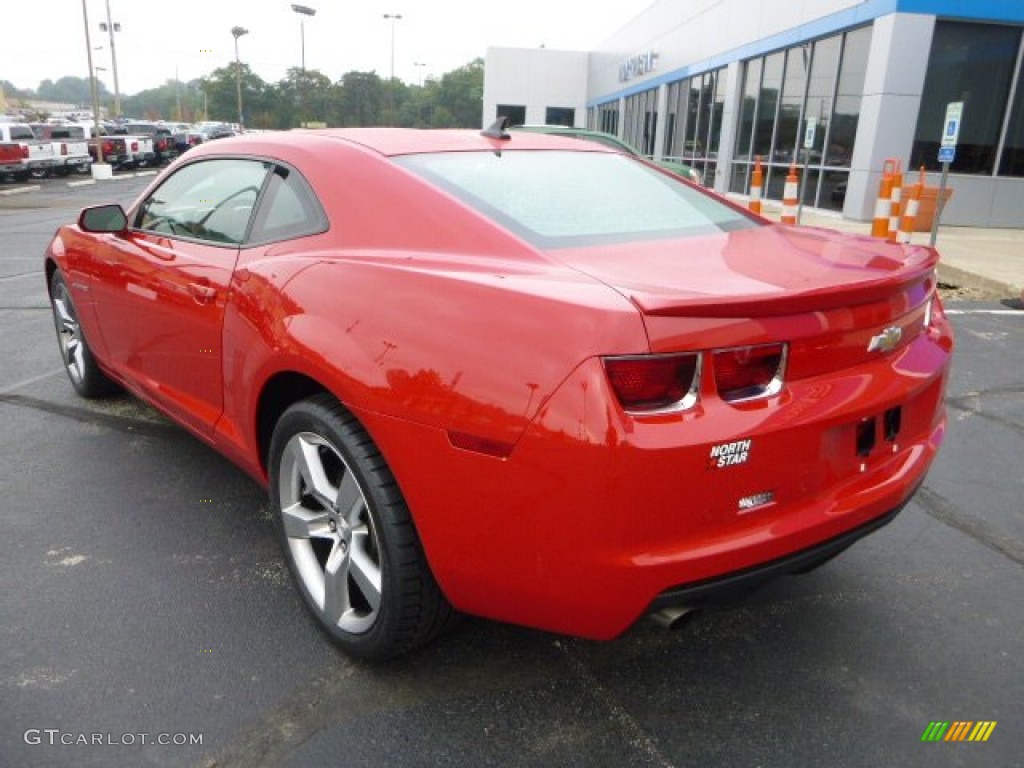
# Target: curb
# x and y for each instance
(991, 289)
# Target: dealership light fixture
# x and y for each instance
(237, 32)
(303, 10)
(392, 17)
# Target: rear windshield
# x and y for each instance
(22, 132)
(560, 199)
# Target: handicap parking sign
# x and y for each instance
(946, 154)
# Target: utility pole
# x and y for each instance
(111, 27)
(92, 83)
(238, 32)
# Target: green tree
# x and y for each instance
(358, 100)
(70, 90)
(303, 97)
(221, 97)
(12, 92)
(460, 94)
(163, 103)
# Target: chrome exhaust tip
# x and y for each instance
(672, 618)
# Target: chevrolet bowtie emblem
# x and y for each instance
(886, 340)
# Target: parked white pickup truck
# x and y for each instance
(70, 147)
(40, 158)
(140, 148)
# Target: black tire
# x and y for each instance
(85, 375)
(350, 543)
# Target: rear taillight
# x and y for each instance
(63, 149)
(743, 373)
(24, 150)
(135, 146)
(108, 147)
(655, 383)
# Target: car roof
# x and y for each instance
(396, 141)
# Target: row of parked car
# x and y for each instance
(39, 150)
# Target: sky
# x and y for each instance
(187, 39)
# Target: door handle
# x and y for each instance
(202, 293)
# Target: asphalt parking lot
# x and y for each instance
(145, 600)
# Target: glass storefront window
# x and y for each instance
(693, 125)
(767, 104)
(821, 81)
(748, 107)
(787, 133)
(516, 113)
(608, 117)
(820, 90)
(672, 111)
(972, 63)
(641, 121)
(848, 94)
(1012, 163)
(560, 116)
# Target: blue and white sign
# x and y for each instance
(809, 131)
(946, 154)
(951, 126)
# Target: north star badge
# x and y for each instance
(729, 454)
(886, 340)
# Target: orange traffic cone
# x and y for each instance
(789, 195)
(756, 186)
(883, 203)
(895, 203)
(910, 214)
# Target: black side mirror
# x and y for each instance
(103, 218)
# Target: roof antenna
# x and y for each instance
(496, 130)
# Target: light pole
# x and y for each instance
(238, 32)
(392, 17)
(92, 85)
(419, 67)
(303, 10)
(112, 27)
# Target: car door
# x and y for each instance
(161, 288)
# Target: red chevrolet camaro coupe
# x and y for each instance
(525, 378)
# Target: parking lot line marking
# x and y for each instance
(629, 725)
(20, 190)
(11, 388)
(984, 312)
(146, 173)
(83, 183)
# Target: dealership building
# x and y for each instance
(841, 86)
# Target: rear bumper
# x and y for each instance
(596, 518)
(741, 583)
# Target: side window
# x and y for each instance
(210, 200)
(289, 209)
